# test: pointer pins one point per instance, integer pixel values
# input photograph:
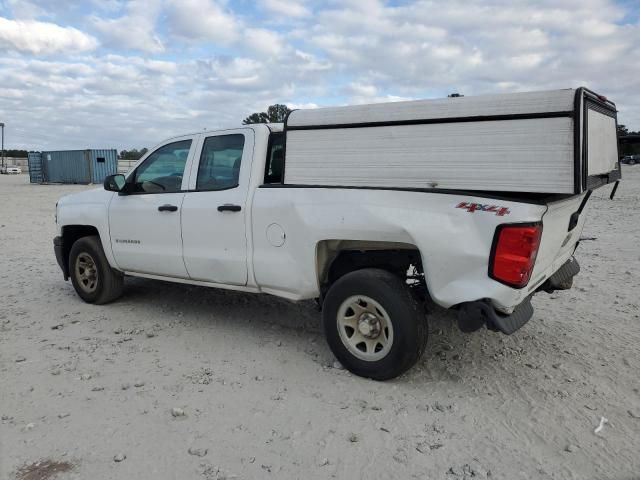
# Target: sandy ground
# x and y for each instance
(255, 390)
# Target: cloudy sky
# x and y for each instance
(128, 73)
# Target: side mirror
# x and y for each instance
(114, 183)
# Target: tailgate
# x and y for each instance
(558, 242)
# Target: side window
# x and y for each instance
(275, 159)
(220, 161)
(162, 171)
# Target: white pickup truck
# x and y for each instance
(473, 203)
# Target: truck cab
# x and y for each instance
(182, 211)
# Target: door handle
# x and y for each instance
(167, 208)
(227, 207)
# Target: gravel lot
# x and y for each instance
(180, 382)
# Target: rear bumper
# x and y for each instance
(563, 278)
(472, 315)
(58, 248)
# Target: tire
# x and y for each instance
(394, 336)
(632, 162)
(91, 275)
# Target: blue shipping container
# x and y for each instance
(79, 166)
(35, 167)
(66, 167)
(103, 164)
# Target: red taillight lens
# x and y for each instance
(514, 253)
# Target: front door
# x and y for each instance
(144, 223)
(213, 212)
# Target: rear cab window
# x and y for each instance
(274, 168)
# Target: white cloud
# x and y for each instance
(362, 90)
(208, 21)
(299, 106)
(108, 5)
(120, 101)
(424, 47)
(135, 30)
(266, 42)
(362, 93)
(35, 37)
(310, 63)
(286, 8)
(202, 20)
(24, 9)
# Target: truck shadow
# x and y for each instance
(203, 303)
(296, 323)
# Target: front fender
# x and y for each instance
(88, 210)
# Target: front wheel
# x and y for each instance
(93, 278)
(374, 325)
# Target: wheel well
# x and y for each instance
(72, 233)
(338, 257)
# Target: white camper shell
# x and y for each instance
(553, 142)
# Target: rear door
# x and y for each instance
(599, 135)
(214, 216)
(144, 224)
(564, 219)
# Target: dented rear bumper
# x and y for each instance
(473, 315)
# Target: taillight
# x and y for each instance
(513, 253)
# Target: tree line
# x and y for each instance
(628, 148)
(16, 153)
(133, 154)
(275, 114)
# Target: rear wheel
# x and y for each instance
(91, 275)
(373, 323)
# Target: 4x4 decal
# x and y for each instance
(478, 207)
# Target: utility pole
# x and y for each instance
(2, 126)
